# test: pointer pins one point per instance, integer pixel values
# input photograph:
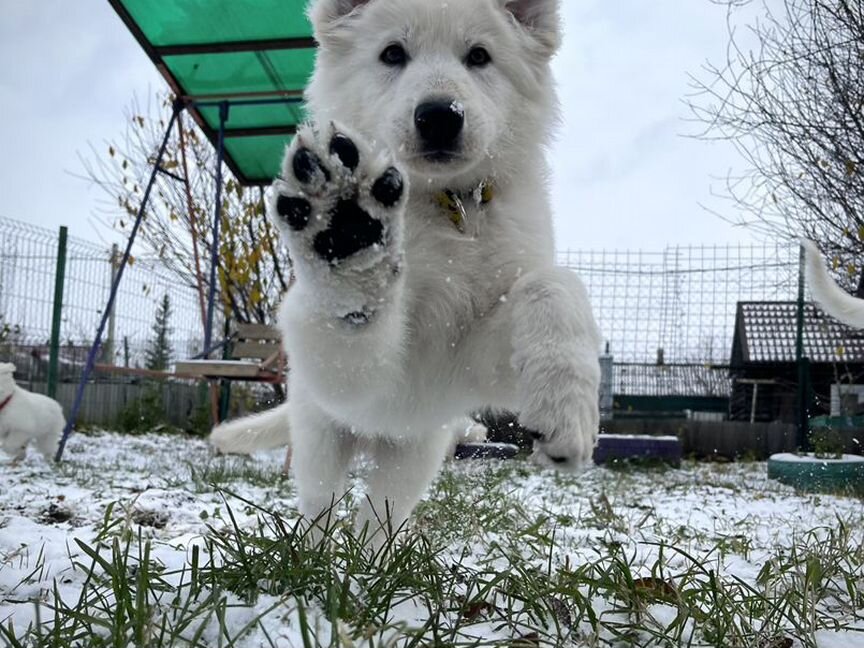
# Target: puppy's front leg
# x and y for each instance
(556, 345)
(340, 206)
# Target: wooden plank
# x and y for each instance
(143, 373)
(219, 369)
(258, 332)
(259, 350)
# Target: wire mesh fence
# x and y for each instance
(678, 305)
(28, 263)
(668, 316)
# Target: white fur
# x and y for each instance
(830, 297)
(465, 430)
(461, 321)
(265, 431)
(27, 418)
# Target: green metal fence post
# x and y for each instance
(59, 279)
(803, 364)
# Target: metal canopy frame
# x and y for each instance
(194, 102)
(178, 107)
(224, 102)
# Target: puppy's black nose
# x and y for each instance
(439, 123)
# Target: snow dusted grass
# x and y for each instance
(152, 541)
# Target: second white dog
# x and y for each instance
(26, 417)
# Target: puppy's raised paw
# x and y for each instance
(339, 202)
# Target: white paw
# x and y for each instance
(339, 204)
(565, 428)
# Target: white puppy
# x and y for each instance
(831, 298)
(26, 417)
(417, 215)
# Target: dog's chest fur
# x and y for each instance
(455, 278)
(456, 282)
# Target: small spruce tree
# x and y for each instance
(159, 352)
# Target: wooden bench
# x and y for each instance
(256, 356)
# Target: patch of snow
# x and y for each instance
(789, 457)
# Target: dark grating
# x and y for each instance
(766, 332)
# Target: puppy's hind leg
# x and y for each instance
(398, 478)
(322, 453)
(47, 444)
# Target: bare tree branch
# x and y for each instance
(792, 104)
(177, 226)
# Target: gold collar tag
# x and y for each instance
(484, 193)
(453, 206)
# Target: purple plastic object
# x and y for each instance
(621, 447)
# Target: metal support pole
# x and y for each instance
(225, 385)
(94, 349)
(800, 361)
(214, 254)
(217, 217)
(59, 280)
(108, 348)
(754, 402)
(607, 399)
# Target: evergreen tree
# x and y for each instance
(159, 352)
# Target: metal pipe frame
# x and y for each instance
(115, 285)
(178, 107)
(224, 108)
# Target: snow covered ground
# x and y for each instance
(714, 554)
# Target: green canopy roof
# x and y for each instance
(242, 51)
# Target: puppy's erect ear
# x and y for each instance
(325, 14)
(541, 18)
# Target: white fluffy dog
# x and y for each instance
(831, 297)
(416, 211)
(26, 417)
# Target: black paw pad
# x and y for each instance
(343, 148)
(387, 189)
(351, 230)
(307, 166)
(295, 211)
(358, 318)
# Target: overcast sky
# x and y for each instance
(625, 175)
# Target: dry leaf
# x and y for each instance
(531, 640)
(655, 589)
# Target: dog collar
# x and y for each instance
(453, 203)
(6, 402)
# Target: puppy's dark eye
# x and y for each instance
(394, 55)
(478, 57)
